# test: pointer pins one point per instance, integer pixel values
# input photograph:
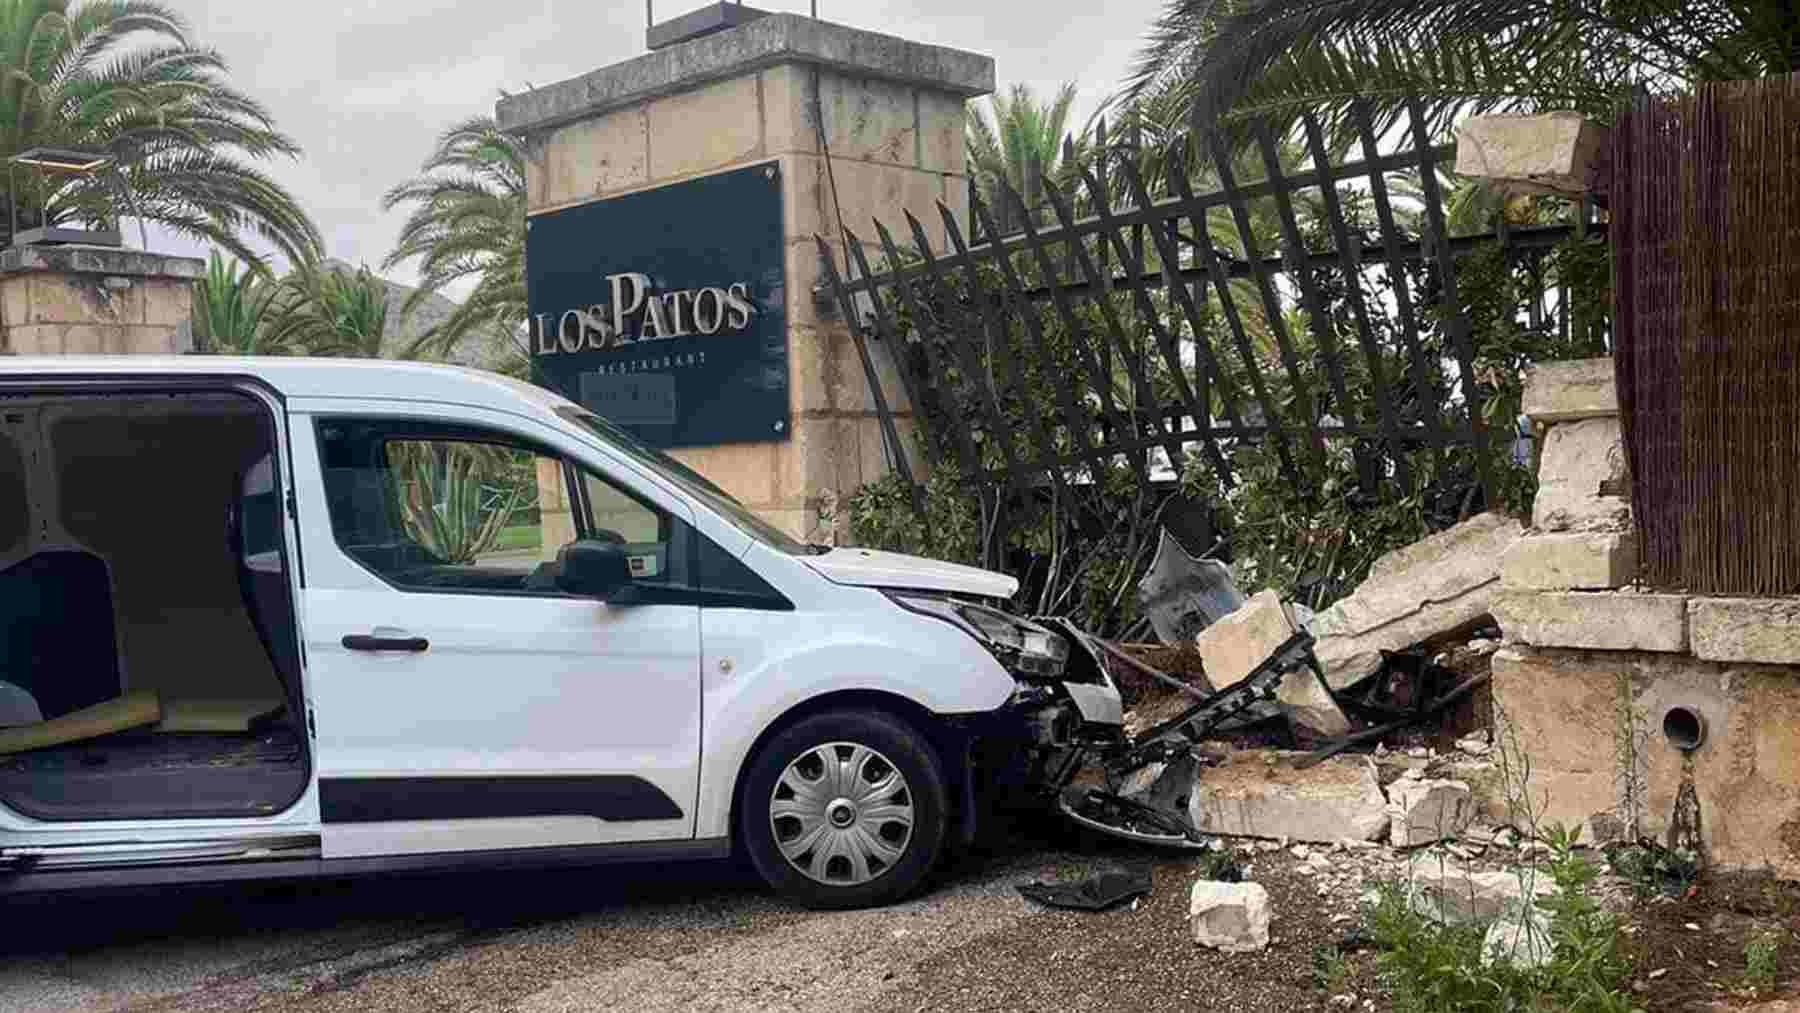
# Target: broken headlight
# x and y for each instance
(1025, 647)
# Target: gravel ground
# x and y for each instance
(703, 937)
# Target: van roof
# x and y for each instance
(309, 377)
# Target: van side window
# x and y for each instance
(440, 508)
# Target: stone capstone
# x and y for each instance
(1230, 917)
(1552, 153)
(1597, 621)
(1759, 630)
(1570, 391)
(1259, 794)
(1233, 646)
(1563, 561)
(1424, 811)
(1435, 586)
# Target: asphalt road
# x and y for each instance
(695, 937)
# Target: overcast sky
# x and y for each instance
(366, 85)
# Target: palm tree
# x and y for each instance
(325, 309)
(123, 77)
(1020, 142)
(467, 222)
(229, 309)
(1220, 62)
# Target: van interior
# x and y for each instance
(149, 663)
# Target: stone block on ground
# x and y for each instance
(1570, 391)
(1424, 811)
(1260, 794)
(1230, 917)
(1524, 942)
(1579, 459)
(1455, 894)
(1594, 621)
(1232, 647)
(1570, 560)
(1435, 586)
(1758, 630)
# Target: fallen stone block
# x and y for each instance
(1230, 917)
(1232, 647)
(1524, 942)
(1435, 586)
(1569, 391)
(1249, 796)
(1579, 458)
(1759, 630)
(1422, 812)
(1452, 893)
(1595, 621)
(1567, 561)
(1551, 153)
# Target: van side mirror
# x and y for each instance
(592, 569)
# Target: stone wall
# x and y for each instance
(783, 88)
(93, 300)
(1594, 663)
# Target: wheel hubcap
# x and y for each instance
(842, 814)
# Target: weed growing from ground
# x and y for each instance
(1759, 959)
(1432, 967)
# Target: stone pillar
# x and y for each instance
(788, 88)
(93, 300)
(1593, 666)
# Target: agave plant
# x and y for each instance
(231, 307)
(455, 498)
(326, 309)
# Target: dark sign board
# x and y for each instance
(665, 311)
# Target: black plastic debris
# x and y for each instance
(1095, 893)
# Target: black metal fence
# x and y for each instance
(1310, 308)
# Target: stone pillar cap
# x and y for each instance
(765, 42)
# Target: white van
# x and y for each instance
(272, 618)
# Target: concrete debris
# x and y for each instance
(1423, 812)
(1230, 917)
(1523, 941)
(1233, 646)
(1434, 587)
(1247, 797)
(1474, 745)
(1455, 894)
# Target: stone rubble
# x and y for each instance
(1422, 811)
(1229, 917)
(1413, 595)
(1523, 941)
(1235, 645)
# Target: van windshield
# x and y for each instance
(691, 481)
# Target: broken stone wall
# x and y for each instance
(1593, 664)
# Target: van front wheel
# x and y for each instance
(845, 809)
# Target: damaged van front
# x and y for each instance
(394, 616)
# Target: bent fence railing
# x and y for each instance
(1313, 311)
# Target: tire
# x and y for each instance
(863, 832)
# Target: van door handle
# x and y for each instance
(365, 642)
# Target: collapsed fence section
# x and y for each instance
(1294, 309)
